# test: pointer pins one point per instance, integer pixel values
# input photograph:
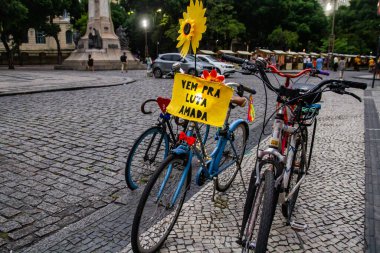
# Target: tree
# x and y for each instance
(358, 25)
(283, 39)
(42, 14)
(262, 17)
(13, 24)
(222, 23)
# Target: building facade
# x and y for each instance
(40, 49)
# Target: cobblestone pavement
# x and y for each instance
(62, 157)
(331, 201)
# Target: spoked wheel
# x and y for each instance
(146, 155)
(231, 158)
(158, 209)
(257, 228)
(298, 169)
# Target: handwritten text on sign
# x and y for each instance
(199, 100)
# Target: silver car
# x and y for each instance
(163, 64)
(223, 68)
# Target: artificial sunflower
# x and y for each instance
(192, 26)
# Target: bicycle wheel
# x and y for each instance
(147, 153)
(298, 169)
(156, 214)
(231, 158)
(257, 229)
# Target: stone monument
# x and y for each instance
(100, 41)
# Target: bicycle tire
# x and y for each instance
(265, 203)
(248, 201)
(238, 139)
(143, 160)
(145, 212)
(299, 162)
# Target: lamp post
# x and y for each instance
(332, 35)
(145, 26)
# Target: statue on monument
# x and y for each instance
(123, 39)
(94, 40)
(76, 38)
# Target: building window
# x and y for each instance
(69, 37)
(40, 37)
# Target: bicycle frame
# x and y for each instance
(280, 128)
(209, 167)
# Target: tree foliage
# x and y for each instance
(281, 24)
(357, 27)
(13, 26)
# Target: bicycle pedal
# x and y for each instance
(298, 227)
(220, 202)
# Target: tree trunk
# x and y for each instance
(9, 53)
(59, 56)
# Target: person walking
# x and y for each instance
(123, 60)
(371, 65)
(341, 67)
(357, 63)
(319, 63)
(336, 61)
(90, 63)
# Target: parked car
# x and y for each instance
(222, 67)
(163, 64)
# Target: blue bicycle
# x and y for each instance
(165, 193)
(154, 144)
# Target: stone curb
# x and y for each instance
(54, 89)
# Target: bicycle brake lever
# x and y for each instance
(353, 95)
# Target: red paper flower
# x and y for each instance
(213, 76)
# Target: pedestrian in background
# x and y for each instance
(357, 63)
(304, 62)
(90, 63)
(308, 63)
(319, 63)
(336, 61)
(273, 60)
(341, 67)
(123, 60)
(371, 65)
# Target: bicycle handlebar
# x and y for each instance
(143, 106)
(236, 59)
(337, 86)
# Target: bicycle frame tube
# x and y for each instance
(158, 147)
(217, 155)
(182, 180)
(290, 155)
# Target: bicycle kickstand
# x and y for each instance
(218, 200)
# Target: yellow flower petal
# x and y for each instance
(181, 41)
(185, 48)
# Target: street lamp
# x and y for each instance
(145, 26)
(332, 35)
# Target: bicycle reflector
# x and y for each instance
(190, 140)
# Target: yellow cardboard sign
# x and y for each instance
(199, 100)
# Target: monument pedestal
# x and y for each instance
(104, 59)
(100, 41)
